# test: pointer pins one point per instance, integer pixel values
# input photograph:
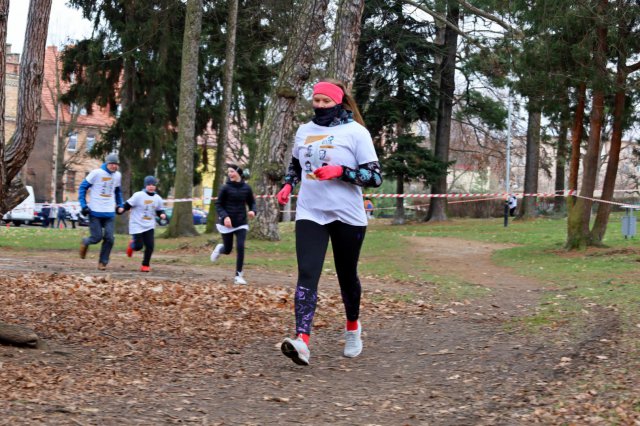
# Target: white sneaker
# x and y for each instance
(297, 350)
(239, 279)
(215, 254)
(353, 342)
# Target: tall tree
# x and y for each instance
(395, 63)
(276, 135)
(346, 38)
(182, 219)
(128, 65)
(29, 103)
(227, 96)
(532, 161)
(4, 15)
(628, 31)
(446, 89)
(12, 191)
(578, 234)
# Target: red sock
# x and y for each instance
(304, 337)
(352, 325)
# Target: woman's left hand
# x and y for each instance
(328, 172)
(227, 222)
(251, 214)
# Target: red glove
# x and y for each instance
(328, 172)
(283, 195)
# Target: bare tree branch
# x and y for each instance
(491, 17)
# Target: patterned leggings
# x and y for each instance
(312, 241)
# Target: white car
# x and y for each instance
(23, 213)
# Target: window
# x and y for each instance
(71, 181)
(76, 109)
(91, 141)
(72, 143)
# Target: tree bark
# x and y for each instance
(532, 162)
(4, 15)
(342, 61)
(604, 209)
(399, 216)
(578, 234)
(29, 92)
(276, 136)
(561, 159)
(227, 96)
(441, 27)
(576, 140)
(437, 207)
(17, 335)
(181, 224)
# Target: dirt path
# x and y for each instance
(451, 364)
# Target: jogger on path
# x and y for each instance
(333, 158)
(145, 205)
(106, 200)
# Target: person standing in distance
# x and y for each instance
(145, 205)
(513, 204)
(231, 205)
(105, 201)
(339, 159)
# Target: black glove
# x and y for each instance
(86, 211)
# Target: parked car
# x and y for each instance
(199, 216)
(69, 206)
(23, 213)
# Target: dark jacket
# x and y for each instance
(233, 200)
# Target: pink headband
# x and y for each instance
(330, 90)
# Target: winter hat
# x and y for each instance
(329, 89)
(237, 168)
(112, 159)
(150, 180)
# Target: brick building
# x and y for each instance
(77, 131)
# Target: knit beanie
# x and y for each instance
(112, 159)
(150, 180)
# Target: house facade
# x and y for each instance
(64, 129)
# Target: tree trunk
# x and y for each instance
(227, 96)
(578, 234)
(276, 135)
(17, 335)
(399, 216)
(4, 14)
(29, 91)
(437, 207)
(181, 224)
(440, 7)
(12, 191)
(561, 159)
(342, 61)
(576, 142)
(127, 99)
(532, 162)
(604, 209)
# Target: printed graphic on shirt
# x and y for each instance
(316, 153)
(107, 187)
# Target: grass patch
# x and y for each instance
(606, 277)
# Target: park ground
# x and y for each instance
(464, 323)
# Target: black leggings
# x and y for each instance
(227, 239)
(147, 240)
(312, 240)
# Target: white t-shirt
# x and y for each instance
(513, 202)
(103, 187)
(143, 211)
(330, 200)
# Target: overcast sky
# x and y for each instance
(65, 23)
